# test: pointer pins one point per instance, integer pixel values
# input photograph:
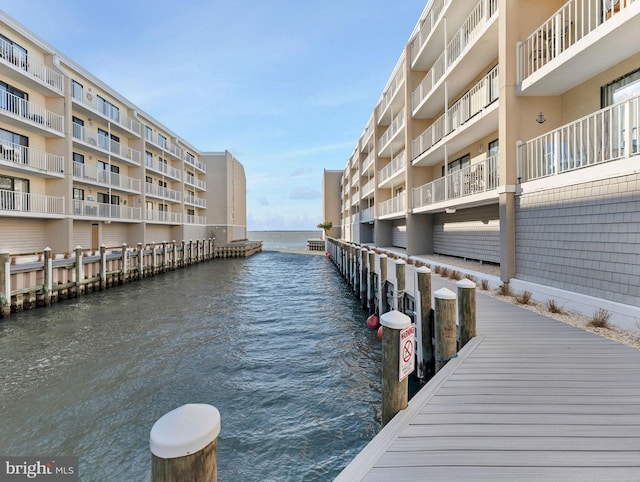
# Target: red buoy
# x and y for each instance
(380, 333)
(373, 322)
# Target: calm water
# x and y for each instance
(276, 342)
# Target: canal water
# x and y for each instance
(276, 342)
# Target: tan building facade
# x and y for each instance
(508, 133)
(80, 165)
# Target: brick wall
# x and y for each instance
(583, 238)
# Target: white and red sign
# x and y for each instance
(407, 352)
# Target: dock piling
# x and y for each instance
(382, 285)
(424, 333)
(5, 279)
(395, 392)
(445, 326)
(466, 310)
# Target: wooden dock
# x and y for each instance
(530, 398)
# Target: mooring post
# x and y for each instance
(164, 256)
(357, 266)
(445, 326)
(382, 285)
(123, 272)
(395, 391)
(364, 275)
(466, 310)
(103, 267)
(398, 296)
(424, 333)
(370, 282)
(184, 444)
(79, 270)
(47, 286)
(140, 261)
(191, 251)
(5, 279)
(184, 253)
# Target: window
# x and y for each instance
(458, 164)
(191, 212)
(162, 140)
(493, 148)
(162, 184)
(12, 146)
(79, 158)
(149, 206)
(104, 198)
(190, 178)
(190, 158)
(14, 193)
(621, 89)
(148, 179)
(108, 109)
(13, 52)
(148, 159)
(148, 133)
(78, 128)
(78, 194)
(76, 90)
(11, 99)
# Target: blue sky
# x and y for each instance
(286, 86)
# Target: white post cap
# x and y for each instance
(424, 270)
(400, 261)
(185, 430)
(395, 320)
(465, 283)
(383, 255)
(444, 294)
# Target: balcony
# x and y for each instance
(392, 171)
(38, 76)
(162, 143)
(420, 59)
(355, 197)
(391, 140)
(367, 215)
(368, 132)
(162, 168)
(24, 204)
(162, 192)
(368, 188)
(475, 113)
(195, 201)
(195, 182)
(472, 47)
(191, 160)
(163, 217)
(25, 159)
(471, 181)
(390, 98)
(100, 177)
(610, 134)
(27, 115)
(101, 144)
(93, 105)
(367, 163)
(580, 40)
(191, 219)
(394, 207)
(105, 211)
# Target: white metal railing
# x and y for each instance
(395, 205)
(106, 144)
(466, 35)
(35, 70)
(195, 182)
(429, 22)
(473, 102)
(163, 216)
(195, 200)
(367, 214)
(83, 172)
(162, 192)
(32, 113)
(609, 134)
(393, 89)
(196, 219)
(162, 167)
(355, 197)
(23, 156)
(397, 164)
(97, 105)
(162, 142)
(368, 187)
(368, 131)
(25, 202)
(354, 180)
(195, 163)
(368, 162)
(396, 125)
(570, 24)
(102, 210)
(476, 178)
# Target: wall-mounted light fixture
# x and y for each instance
(481, 148)
(450, 210)
(541, 118)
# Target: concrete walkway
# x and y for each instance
(530, 398)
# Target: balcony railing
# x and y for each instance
(21, 156)
(98, 106)
(474, 179)
(196, 219)
(195, 182)
(35, 70)
(31, 113)
(367, 214)
(92, 174)
(468, 33)
(368, 187)
(393, 89)
(24, 202)
(196, 201)
(368, 132)
(395, 205)
(164, 144)
(163, 168)
(394, 128)
(473, 102)
(607, 135)
(195, 163)
(396, 165)
(102, 210)
(570, 24)
(104, 143)
(367, 162)
(162, 192)
(163, 216)
(432, 18)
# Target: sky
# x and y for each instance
(286, 86)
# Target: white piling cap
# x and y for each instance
(400, 261)
(395, 319)
(444, 294)
(465, 283)
(185, 430)
(423, 269)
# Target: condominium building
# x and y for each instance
(82, 165)
(508, 133)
